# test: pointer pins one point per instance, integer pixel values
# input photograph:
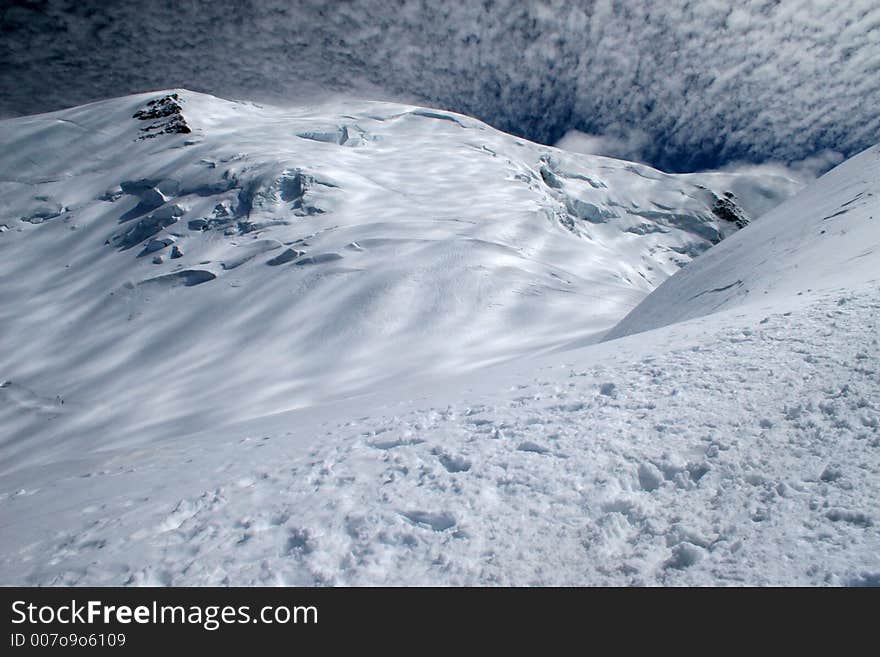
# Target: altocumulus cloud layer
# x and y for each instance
(680, 84)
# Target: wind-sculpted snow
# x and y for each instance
(377, 363)
(269, 259)
(732, 450)
(812, 241)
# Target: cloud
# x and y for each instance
(629, 147)
(818, 164)
(682, 84)
(802, 171)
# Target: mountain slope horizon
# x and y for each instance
(826, 231)
(194, 251)
(362, 344)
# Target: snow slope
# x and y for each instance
(738, 448)
(173, 261)
(741, 446)
(823, 238)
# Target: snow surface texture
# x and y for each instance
(177, 261)
(736, 449)
(815, 240)
(740, 447)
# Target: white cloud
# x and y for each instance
(629, 147)
(818, 164)
(803, 170)
(682, 83)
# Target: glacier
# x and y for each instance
(367, 343)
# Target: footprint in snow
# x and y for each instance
(535, 448)
(608, 389)
(684, 555)
(436, 521)
(453, 463)
(391, 444)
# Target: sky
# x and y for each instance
(682, 85)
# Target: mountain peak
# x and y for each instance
(335, 246)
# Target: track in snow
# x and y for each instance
(741, 457)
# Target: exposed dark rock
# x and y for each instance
(167, 112)
(159, 108)
(176, 252)
(174, 125)
(725, 208)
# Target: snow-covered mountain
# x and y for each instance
(317, 418)
(824, 238)
(173, 261)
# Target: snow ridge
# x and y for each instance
(824, 236)
(371, 357)
(285, 257)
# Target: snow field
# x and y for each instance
(734, 451)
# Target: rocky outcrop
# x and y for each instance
(166, 114)
(726, 208)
